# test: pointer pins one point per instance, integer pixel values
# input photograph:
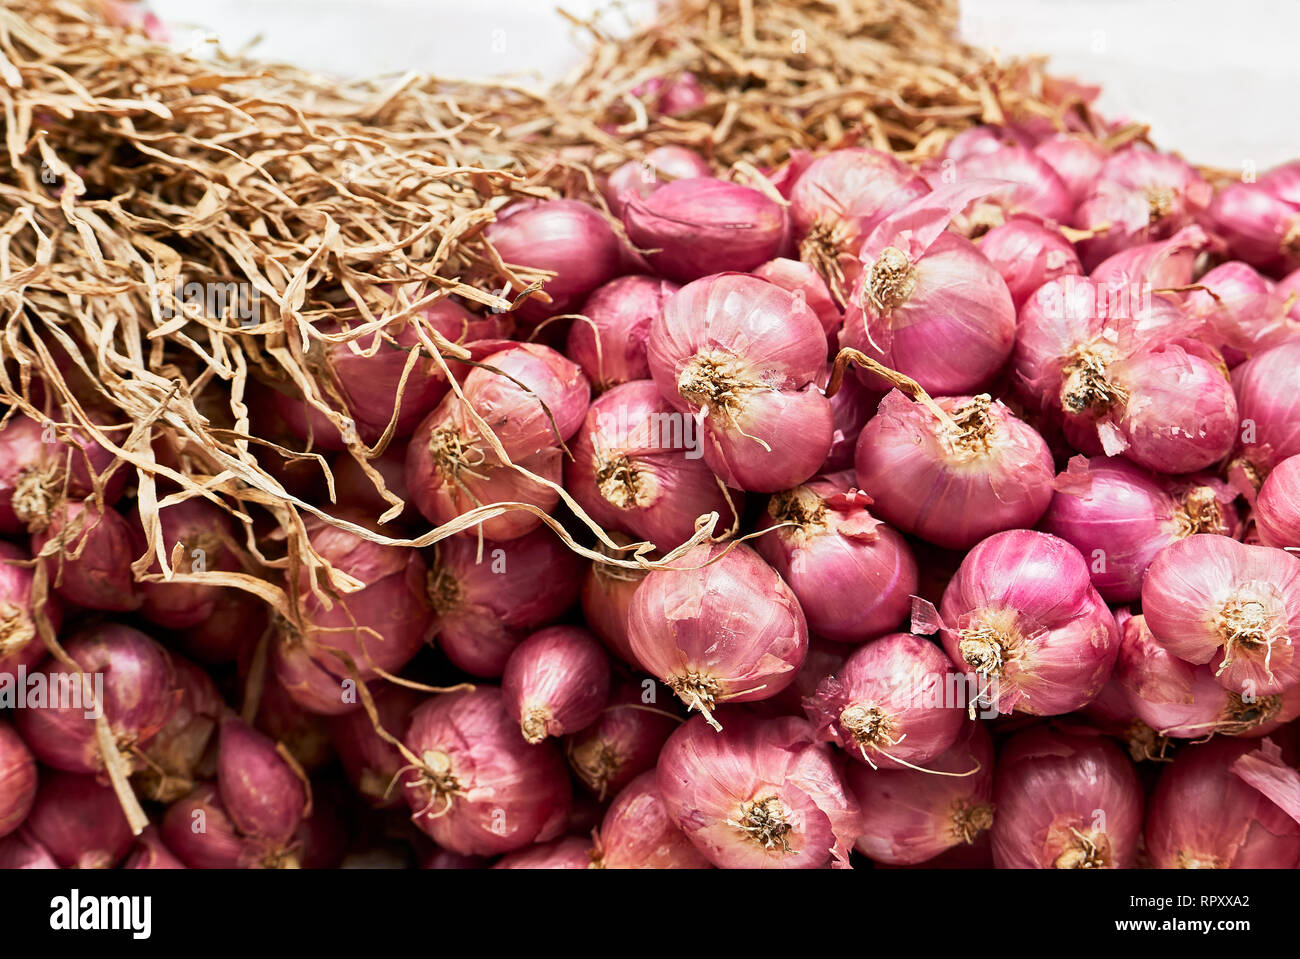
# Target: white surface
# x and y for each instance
(1216, 80)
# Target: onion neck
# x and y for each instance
(619, 481)
(34, 496)
(1084, 851)
(1246, 627)
(827, 240)
(1191, 860)
(443, 590)
(800, 506)
(534, 723)
(596, 763)
(1241, 716)
(891, 280)
(766, 822)
(970, 820)
(717, 381)
(698, 691)
(1160, 203)
(1198, 511)
(986, 649)
(1085, 388)
(973, 429)
(452, 452)
(1144, 743)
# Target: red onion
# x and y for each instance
(611, 348)
(238, 620)
(928, 304)
(852, 406)
(566, 237)
(175, 752)
(983, 139)
(1259, 227)
(1162, 264)
(1033, 189)
(481, 789)
(93, 568)
(1205, 814)
(853, 575)
(1277, 509)
(207, 541)
(261, 792)
(839, 199)
(910, 817)
(372, 763)
(637, 466)
(303, 732)
(20, 645)
(555, 682)
(1027, 254)
(1241, 311)
(484, 609)
(801, 279)
(200, 832)
(672, 96)
(824, 658)
(17, 780)
(637, 832)
(1065, 802)
(1268, 400)
(1076, 161)
(887, 705)
(744, 357)
(138, 696)
(607, 592)
(622, 743)
(21, 851)
(640, 178)
(1120, 516)
(953, 483)
(79, 822)
(353, 487)
(760, 795)
(35, 465)
(730, 631)
(1022, 614)
(1209, 598)
(571, 852)
(150, 853)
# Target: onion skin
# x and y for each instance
(79, 822)
(494, 793)
(20, 643)
(175, 752)
(1027, 255)
(611, 349)
(1076, 161)
(786, 790)
(371, 763)
(100, 575)
(17, 780)
(1268, 401)
(571, 852)
(21, 851)
(208, 543)
(953, 488)
(797, 277)
(622, 743)
(1204, 815)
(606, 600)
(851, 407)
(703, 225)
(641, 178)
(261, 792)
(1066, 802)
(555, 682)
(1277, 508)
(150, 853)
(731, 631)
(637, 832)
(1023, 616)
(1211, 599)
(34, 470)
(910, 817)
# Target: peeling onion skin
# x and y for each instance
(637, 832)
(762, 794)
(731, 631)
(1203, 815)
(571, 852)
(1066, 802)
(555, 682)
(495, 792)
(611, 349)
(79, 822)
(20, 642)
(1277, 509)
(1210, 599)
(17, 780)
(910, 817)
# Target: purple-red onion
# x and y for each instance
(622, 743)
(17, 780)
(611, 347)
(79, 822)
(1027, 254)
(640, 178)
(637, 832)
(93, 566)
(555, 682)
(20, 644)
(1277, 508)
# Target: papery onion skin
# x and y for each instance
(731, 631)
(1066, 802)
(176, 751)
(17, 780)
(20, 851)
(606, 599)
(637, 832)
(34, 465)
(622, 743)
(555, 682)
(1202, 815)
(571, 852)
(744, 357)
(1210, 599)
(1076, 161)
(611, 349)
(851, 407)
(207, 540)
(1022, 614)
(1163, 264)
(79, 821)
(762, 794)
(1268, 401)
(1277, 508)
(260, 790)
(1027, 254)
(642, 177)
(303, 733)
(953, 488)
(20, 643)
(370, 762)
(494, 792)
(910, 817)
(797, 277)
(99, 577)
(853, 575)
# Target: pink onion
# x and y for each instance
(17, 780)
(910, 816)
(1241, 311)
(607, 592)
(637, 467)
(801, 279)
(611, 348)
(571, 852)
(622, 743)
(1076, 161)
(175, 752)
(35, 464)
(151, 853)
(1209, 598)
(566, 237)
(21, 851)
(760, 795)
(853, 575)
(138, 696)
(207, 540)
(730, 631)
(259, 789)
(370, 762)
(692, 228)
(1033, 187)
(987, 138)
(928, 304)
(79, 822)
(1205, 814)
(199, 831)
(20, 645)
(1268, 400)
(887, 706)
(555, 682)
(1162, 264)
(852, 406)
(744, 357)
(1022, 614)
(483, 610)
(1277, 509)
(637, 832)
(953, 483)
(1120, 516)
(672, 95)
(640, 178)
(481, 789)
(93, 566)
(1027, 254)
(1259, 227)
(1065, 802)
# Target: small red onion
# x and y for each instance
(1268, 400)
(744, 357)
(21, 851)
(607, 592)
(79, 822)
(1076, 161)
(993, 470)
(853, 575)
(1205, 814)
(1241, 312)
(801, 279)
(637, 832)
(1065, 802)
(354, 488)
(1259, 227)
(238, 620)
(640, 178)
(1277, 509)
(17, 780)
(207, 540)
(481, 789)
(151, 853)
(672, 96)
(1162, 264)
(484, 609)
(1034, 189)
(692, 228)
(93, 568)
(20, 645)
(571, 852)
(851, 407)
(910, 817)
(622, 743)
(174, 753)
(1209, 598)
(371, 763)
(303, 732)
(1027, 254)
(259, 789)
(1022, 614)
(201, 834)
(35, 465)
(762, 794)
(730, 631)
(611, 348)
(555, 682)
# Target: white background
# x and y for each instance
(1218, 80)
